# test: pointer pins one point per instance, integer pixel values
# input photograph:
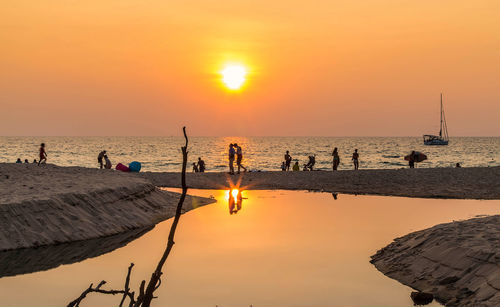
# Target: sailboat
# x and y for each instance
(442, 138)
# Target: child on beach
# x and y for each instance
(43, 154)
(108, 164)
(296, 167)
(283, 166)
(355, 159)
(19, 160)
(195, 168)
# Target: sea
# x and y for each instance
(163, 154)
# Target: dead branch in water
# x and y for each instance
(146, 294)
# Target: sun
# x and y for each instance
(234, 76)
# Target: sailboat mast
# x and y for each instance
(441, 121)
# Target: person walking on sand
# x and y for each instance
(108, 164)
(43, 154)
(411, 161)
(231, 159)
(355, 159)
(239, 158)
(288, 160)
(336, 159)
(195, 168)
(201, 165)
(100, 157)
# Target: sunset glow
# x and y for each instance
(234, 76)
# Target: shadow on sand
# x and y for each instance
(30, 260)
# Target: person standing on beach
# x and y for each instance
(336, 159)
(239, 158)
(100, 157)
(195, 168)
(201, 165)
(231, 159)
(355, 159)
(288, 160)
(43, 154)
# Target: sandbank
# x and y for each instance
(47, 204)
(463, 183)
(457, 262)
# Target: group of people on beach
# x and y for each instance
(199, 167)
(309, 166)
(103, 160)
(235, 150)
(42, 156)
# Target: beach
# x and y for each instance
(457, 262)
(462, 183)
(47, 204)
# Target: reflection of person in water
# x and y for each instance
(235, 202)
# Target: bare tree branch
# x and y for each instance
(146, 295)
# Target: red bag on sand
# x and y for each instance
(123, 168)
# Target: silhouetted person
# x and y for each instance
(19, 160)
(288, 160)
(195, 168)
(312, 161)
(43, 154)
(239, 158)
(355, 159)
(108, 164)
(201, 165)
(26, 161)
(458, 165)
(100, 158)
(235, 204)
(336, 159)
(34, 161)
(296, 167)
(411, 162)
(231, 159)
(283, 166)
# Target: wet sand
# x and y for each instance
(462, 183)
(43, 205)
(458, 262)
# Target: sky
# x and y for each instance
(322, 68)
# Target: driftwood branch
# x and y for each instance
(146, 294)
(155, 277)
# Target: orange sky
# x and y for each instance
(334, 68)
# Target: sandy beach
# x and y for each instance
(463, 183)
(43, 205)
(458, 262)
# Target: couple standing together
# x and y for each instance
(234, 149)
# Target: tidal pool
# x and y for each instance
(280, 248)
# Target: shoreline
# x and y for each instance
(47, 205)
(446, 183)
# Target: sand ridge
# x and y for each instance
(43, 205)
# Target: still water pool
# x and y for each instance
(282, 248)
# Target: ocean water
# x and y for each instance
(260, 153)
